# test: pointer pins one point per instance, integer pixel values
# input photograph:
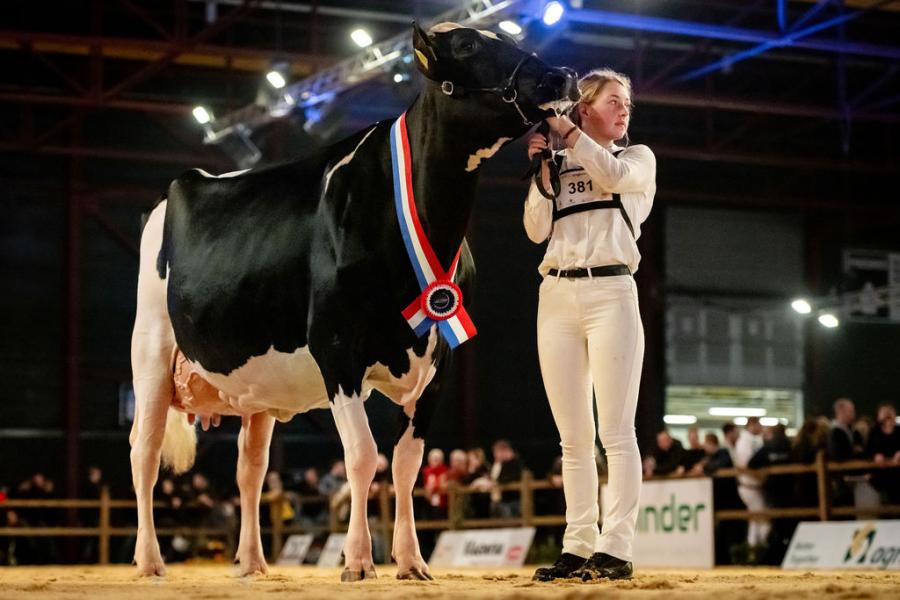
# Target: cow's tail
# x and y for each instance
(179, 447)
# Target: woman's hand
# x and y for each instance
(536, 144)
(560, 124)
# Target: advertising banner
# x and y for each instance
(845, 545)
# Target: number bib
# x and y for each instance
(576, 188)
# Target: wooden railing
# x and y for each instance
(456, 519)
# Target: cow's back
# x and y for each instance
(236, 249)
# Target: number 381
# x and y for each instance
(580, 186)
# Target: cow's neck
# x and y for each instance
(441, 142)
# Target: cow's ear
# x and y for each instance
(426, 58)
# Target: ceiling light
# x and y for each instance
(829, 320)
(679, 419)
(510, 27)
(553, 12)
(276, 79)
(202, 115)
(736, 411)
(801, 306)
(361, 37)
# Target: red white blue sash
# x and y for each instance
(441, 300)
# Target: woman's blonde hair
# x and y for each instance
(592, 84)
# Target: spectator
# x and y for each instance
(311, 511)
(884, 447)
(695, 452)
(479, 478)
(843, 442)
(776, 450)
(274, 497)
(459, 466)
(811, 439)
(714, 457)
(434, 479)
(507, 468)
(730, 434)
(668, 455)
(334, 480)
(750, 487)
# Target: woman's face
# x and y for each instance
(609, 113)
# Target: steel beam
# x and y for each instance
(604, 18)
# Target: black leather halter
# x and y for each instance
(507, 91)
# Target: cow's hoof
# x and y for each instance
(415, 573)
(151, 569)
(351, 575)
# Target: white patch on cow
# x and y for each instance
(344, 161)
(484, 154)
(408, 387)
(223, 175)
(281, 383)
(557, 106)
(489, 34)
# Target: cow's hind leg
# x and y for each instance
(405, 470)
(152, 345)
(360, 456)
(253, 461)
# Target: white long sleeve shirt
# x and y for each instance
(746, 446)
(601, 236)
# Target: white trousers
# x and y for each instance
(589, 331)
(757, 529)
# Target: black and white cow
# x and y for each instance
(281, 289)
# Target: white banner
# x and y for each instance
(482, 548)
(845, 545)
(331, 552)
(295, 549)
(674, 525)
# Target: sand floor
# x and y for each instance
(219, 582)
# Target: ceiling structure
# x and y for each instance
(768, 103)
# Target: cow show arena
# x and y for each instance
(453, 299)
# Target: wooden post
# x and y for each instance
(104, 525)
(823, 488)
(387, 532)
(526, 498)
(454, 506)
(277, 525)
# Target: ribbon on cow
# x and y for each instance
(441, 300)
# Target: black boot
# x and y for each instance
(564, 568)
(603, 566)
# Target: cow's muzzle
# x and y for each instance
(563, 81)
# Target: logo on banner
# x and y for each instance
(864, 536)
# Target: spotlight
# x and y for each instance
(276, 79)
(768, 421)
(736, 411)
(829, 320)
(202, 115)
(553, 12)
(400, 77)
(679, 419)
(510, 27)
(361, 37)
(801, 306)
(740, 421)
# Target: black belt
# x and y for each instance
(604, 271)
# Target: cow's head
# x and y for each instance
(489, 69)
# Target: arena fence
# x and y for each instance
(456, 518)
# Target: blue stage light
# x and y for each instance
(553, 12)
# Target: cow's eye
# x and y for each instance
(467, 47)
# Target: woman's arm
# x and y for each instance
(632, 171)
(538, 218)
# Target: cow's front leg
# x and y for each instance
(405, 469)
(253, 461)
(360, 455)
